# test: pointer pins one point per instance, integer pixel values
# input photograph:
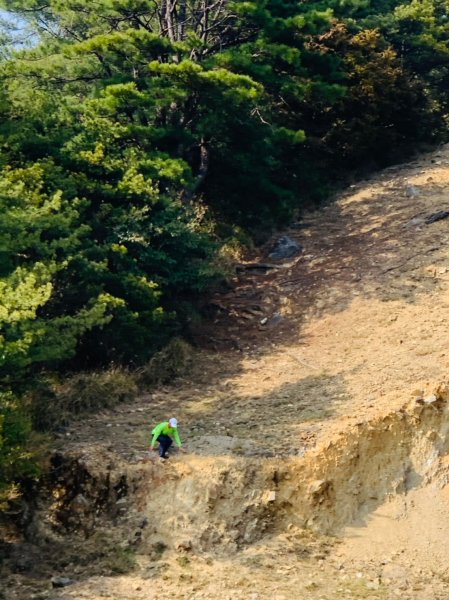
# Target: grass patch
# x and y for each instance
(53, 405)
(102, 555)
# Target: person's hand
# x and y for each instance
(154, 449)
(183, 450)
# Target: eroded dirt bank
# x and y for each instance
(309, 516)
(316, 424)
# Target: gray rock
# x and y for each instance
(275, 319)
(415, 222)
(270, 496)
(411, 191)
(80, 501)
(59, 582)
(432, 399)
(285, 247)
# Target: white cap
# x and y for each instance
(173, 422)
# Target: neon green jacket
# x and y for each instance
(165, 428)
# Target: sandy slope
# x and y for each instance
(356, 326)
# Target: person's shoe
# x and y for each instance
(165, 456)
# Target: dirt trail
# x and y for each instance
(319, 459)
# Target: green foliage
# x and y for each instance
(40, 234)
(377, 119)
(17, 460)
(419, 30)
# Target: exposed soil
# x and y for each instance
(315, 419)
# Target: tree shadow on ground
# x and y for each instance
(278, 422)
(372, 243)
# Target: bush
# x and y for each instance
(172, 361)
(17, 457)
(81, 394)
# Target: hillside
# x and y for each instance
(315, 418)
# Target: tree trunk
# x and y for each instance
(188, 195)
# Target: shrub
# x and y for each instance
(121, 560)
(172, 361)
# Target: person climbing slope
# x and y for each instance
(163, 434)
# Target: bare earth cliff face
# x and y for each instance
(317, 425)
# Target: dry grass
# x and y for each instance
(81, 394)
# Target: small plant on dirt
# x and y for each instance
(256, 561)
(121, 560)
(238, 449)
(312, 585)
(183, 561)
(158, 549)
(172, 361)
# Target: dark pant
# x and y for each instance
(165, 442)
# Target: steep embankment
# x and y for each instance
(317, 428)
